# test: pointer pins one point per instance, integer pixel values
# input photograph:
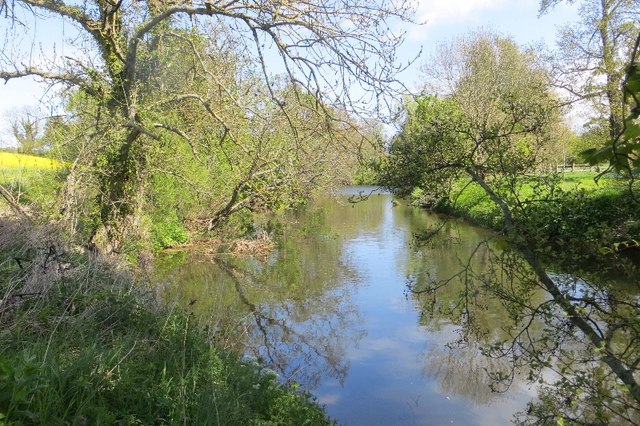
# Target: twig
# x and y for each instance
(13, 203)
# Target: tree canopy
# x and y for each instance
(623, 150)
(589, 64)
(233, 98)
(495, 118)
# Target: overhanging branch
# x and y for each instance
(48, 75)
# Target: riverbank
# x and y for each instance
(84, 342)
(580, 224)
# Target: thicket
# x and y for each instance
(80, 343)
(175, 120)
(574, 226)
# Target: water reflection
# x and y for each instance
(578, 337)
(330, 309)
(293, 311)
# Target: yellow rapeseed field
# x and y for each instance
(13, 160)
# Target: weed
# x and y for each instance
(89, 347)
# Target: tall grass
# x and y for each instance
(81, 343)
(36, 186)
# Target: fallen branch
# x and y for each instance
(13, 203)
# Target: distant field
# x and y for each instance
(32, 180)
(13, 160)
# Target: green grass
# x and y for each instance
(581, 222)
(471, 202)
(32, 180)
(584, 180)
(85, 346)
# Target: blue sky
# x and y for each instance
(444, 20)
(448, 19)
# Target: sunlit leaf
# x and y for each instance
(632, 131)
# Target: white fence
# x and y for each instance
(573, 167)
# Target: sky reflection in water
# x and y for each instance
(332, 313)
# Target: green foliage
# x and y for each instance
(496, 121)
(592, 55)
(496, 125)
(434, 133)
(216, 143)
(168, 232)
(585, 225)
(92, 352)
(468, 200)
(623, 151)
(365, 175)
(36, 187)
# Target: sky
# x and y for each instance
(444, 20)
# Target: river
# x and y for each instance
(331, 309)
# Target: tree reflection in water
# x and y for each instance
(578, 339)
(291, 311)
(460, 371)
(301, 347)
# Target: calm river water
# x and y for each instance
(330, 309)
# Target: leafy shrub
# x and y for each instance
(168, 232)
(586, 224)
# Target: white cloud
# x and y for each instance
(438, 12)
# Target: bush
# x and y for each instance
(582, 224)
(586, 225)
(167, 232)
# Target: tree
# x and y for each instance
(324, 50)
(623, 150)
(593, 53)
(25, 127)
(433, 140)
(500, 113)
(495, 122)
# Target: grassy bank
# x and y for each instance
(580, 223)
(81, 343)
